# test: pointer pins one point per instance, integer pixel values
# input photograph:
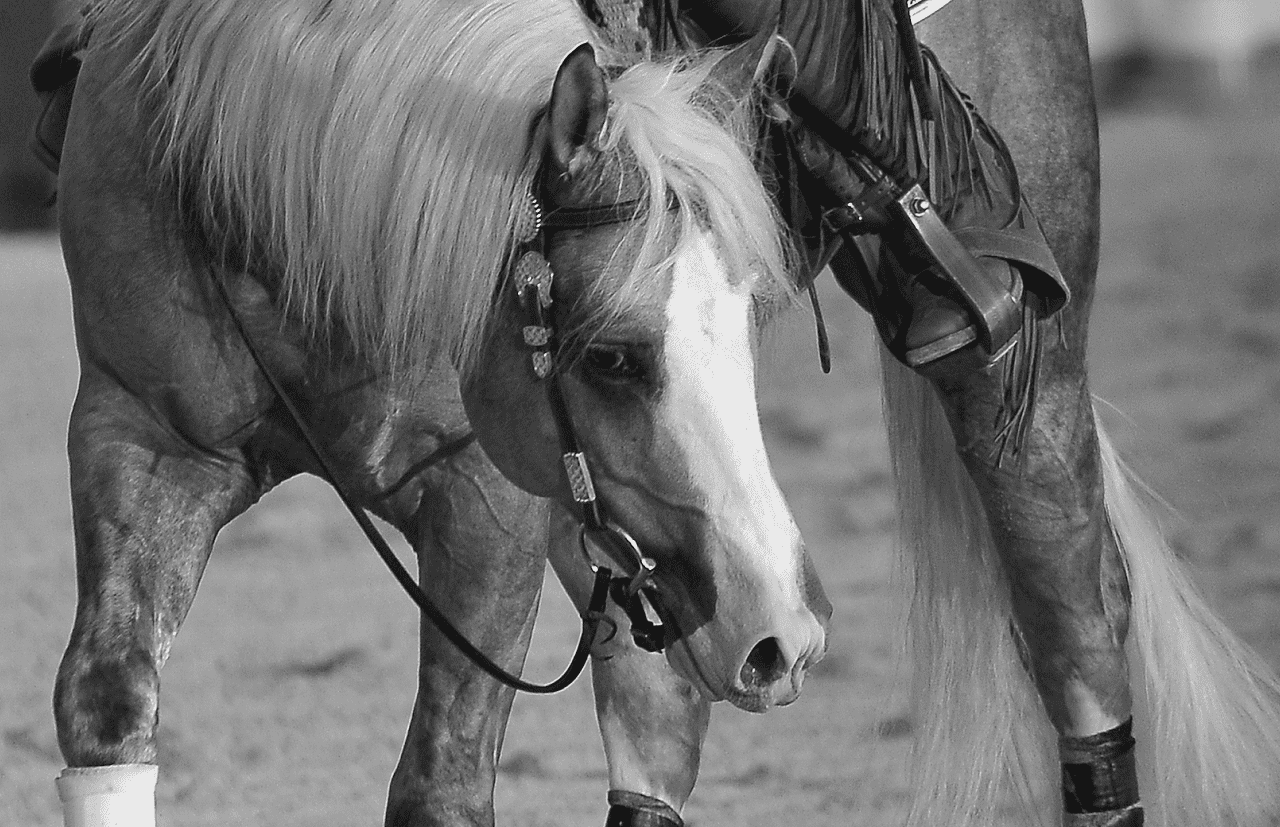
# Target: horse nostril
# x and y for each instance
(765, 664)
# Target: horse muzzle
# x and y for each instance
(756, 658)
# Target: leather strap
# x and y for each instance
(585, 218)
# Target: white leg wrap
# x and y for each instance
(121, 795)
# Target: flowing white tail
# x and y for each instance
(1207, 710)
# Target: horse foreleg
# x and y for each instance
(481, 545)
(146, 506)
(1043, 496)
(653, 722)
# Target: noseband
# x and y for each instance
(533, 279)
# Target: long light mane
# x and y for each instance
(372, 156)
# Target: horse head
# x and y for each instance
(658, 312)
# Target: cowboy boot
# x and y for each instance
(967, 300)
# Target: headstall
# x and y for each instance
(533, 279)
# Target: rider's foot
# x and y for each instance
(941, 336)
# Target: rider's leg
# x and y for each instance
(965, 246)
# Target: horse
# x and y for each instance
(1047, 607)
(542, 242)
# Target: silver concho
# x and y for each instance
(532, 270)
(529, 221)
(541, 363)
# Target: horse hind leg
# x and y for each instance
(1044, 499)
(146, 507)
(1000, 537)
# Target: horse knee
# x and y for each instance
(106, 705)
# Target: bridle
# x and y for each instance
(533, 279)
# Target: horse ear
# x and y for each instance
(576, 115)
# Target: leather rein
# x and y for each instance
(533, 281)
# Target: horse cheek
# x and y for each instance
(509, 412)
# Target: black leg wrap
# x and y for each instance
(1100, 778)
(628, 809)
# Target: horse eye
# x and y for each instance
(616, 363)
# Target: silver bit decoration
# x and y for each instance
(575, 467)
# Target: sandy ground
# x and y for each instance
(289, 690)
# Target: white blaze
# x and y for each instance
(709, 403)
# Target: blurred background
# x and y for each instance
(289, 689)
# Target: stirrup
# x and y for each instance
(921, 317)
(991, 303)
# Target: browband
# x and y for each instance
(583, 218)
